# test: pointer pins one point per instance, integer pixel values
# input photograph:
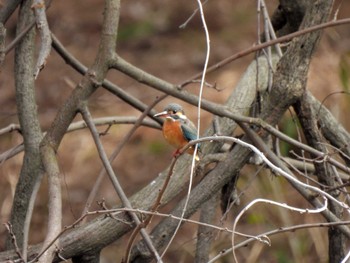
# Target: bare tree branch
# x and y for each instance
(45, 35)
(274, 232)
(31, 171)
(331, 129)
(49, 145)
(282, 39)
(83, 241)
(10, 128)
(2, 44)
(9, 6)
(205, 234)
(19, 36)
(77, 126)
(13, 240)
(114, 89)
(126, 203)
(324, 173)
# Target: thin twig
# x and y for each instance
(337, 150)
(261, 200)
(303, 146)
(266, 44)
(10, 128)
(88, 119)
(182, 26)
(337, 10)
(117, 150)
(271, 29)
(19, 37)
(279, 230)
(154, 207)
(317, 115)
(272, 166)
(267, 39)
(81, 125)
(14, 240)
(108, 85)
(7, 9)
(113, 212)
(207, 38)
(302, 165)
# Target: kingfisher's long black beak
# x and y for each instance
(161, 114)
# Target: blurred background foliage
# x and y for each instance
(150, 38)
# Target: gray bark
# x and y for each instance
(31, 171)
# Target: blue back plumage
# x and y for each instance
(188, 129)
(188, 133)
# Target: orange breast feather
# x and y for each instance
(173, 134)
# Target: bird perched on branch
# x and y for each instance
(178, 130)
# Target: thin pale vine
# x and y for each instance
(279, 230)
(261, 200)
(198, 120)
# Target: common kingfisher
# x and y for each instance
(178, 130)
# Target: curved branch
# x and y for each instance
(125, 201)
(31, 170)
(114, 89)
(331, 129)
(49, 145)
(116, 152)
(278, 40)
(75, 126)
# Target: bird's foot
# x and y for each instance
(177, 153)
